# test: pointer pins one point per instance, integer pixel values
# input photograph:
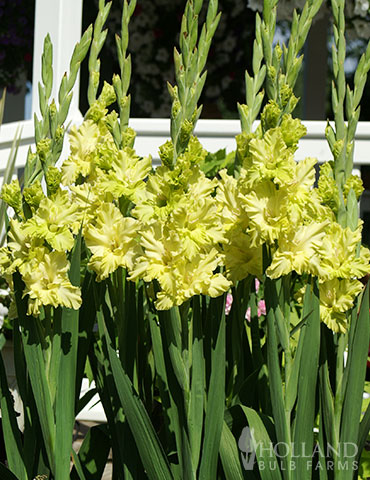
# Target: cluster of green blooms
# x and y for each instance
(190, 234)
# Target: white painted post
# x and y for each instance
(62, 19)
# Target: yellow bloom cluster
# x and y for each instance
(80, 195)
(102, 178)
(111, 239)
(274, 205)
(180, 231)
(38, 247)
(190, 234)
(174, 231)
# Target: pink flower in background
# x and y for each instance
(261, 310)
(229, 302)
(261, 304)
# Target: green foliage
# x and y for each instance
(214, 162)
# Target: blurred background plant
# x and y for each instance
(16, 42)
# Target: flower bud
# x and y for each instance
(355, 183)
(43, 149)
(166, 153)
(128, 137)
(53, 178)
(293, 130)
(270, 115)
(107, 96)
(33, 194)
(11, 194)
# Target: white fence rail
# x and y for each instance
(214, 134)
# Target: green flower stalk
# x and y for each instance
(346, 105)
(190, 77)
(98, 40)
(278, 68)
(49, 130)
(121, 82)
(292, 60)
(268, 26)
(254, 95)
